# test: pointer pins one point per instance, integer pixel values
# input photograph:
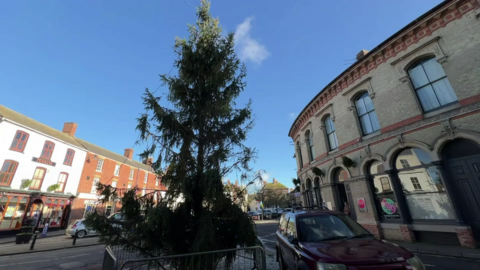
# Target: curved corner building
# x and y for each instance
(397, 134)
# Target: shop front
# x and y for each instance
(37, 209)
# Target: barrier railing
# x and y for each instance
(232, 259)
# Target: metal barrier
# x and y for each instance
(109, 259)
(232, 259)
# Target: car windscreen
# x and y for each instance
(328, 227)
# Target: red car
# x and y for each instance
(328, 240)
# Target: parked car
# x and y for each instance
(287, 210)
(77, 227)
(253, 215)
(321, 240)
(267, 213)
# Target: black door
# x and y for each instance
(466, 175)
(350, 202)
(342, 196)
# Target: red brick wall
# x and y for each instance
(465, 236)
(407, 234)
(107, 177)
(374, 229)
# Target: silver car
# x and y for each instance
(77, 227)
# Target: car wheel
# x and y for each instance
(81, 234)
(281, 264)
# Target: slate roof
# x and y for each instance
(33, 124)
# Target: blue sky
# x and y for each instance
(89, 61)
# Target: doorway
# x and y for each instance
(462, 159)
(344, 195)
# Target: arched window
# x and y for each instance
(299, 154)
(331, 134)
(431, 84)
(422, 186)
(309, 141)
(366, 114)
(385, 200)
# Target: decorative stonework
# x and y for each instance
(451, 11)
(396, 132)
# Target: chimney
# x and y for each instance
(264, 183)
(275, 181)
(361, 54)
(147, 161)
(70, 128)
(128, 153)
(236, 183)
(228, 182)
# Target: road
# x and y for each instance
(87, 258)
(266, 231)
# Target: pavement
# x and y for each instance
(434, 257)
(11, 238)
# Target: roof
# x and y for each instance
(35, 125)
(112, 155)
(370, 53)
(275, 186)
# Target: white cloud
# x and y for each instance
(292, 115)
(265, 176)
(248, 48)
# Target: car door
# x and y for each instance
(282, 242)
(290, 251)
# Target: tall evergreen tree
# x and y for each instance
(201, 139)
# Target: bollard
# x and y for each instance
(34, 240)
(75, 238)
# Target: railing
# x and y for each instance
(109, 259)
(232, 259)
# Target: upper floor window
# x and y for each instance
(95, 182)
(69, 157)
(299, 154)
(131, 173)
(100, 164)
(19, 141)
(117, 170)
(331, 134)
(38, 177)
(145, 178)
(47, 150)
(366, 114)
(157, 179)
(7, 172)
(62, 181)
(309, 141)
(431, 84)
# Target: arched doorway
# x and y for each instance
(34, 213)
(344, 196)
(462, 161)
(318, 195)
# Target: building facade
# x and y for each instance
(397, 134)
(40, 172)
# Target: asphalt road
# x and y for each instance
(87, 258)
(266, 232)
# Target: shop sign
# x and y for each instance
(389, 208)
(44, 161)
(362, 205)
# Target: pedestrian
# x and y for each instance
(346, 208)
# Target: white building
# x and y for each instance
(30, 150)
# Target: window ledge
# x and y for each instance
(15, 150)
(333, 151)
(371, 135)
(442, 110)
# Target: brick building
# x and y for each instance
(397, 134)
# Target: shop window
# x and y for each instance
(7, 172)
(38, 177)
(12, 210)
(19, 141)
(431, 85)
(385, 200)
(62, 181)
(422, 186)
(309, 141)
(366, 114)
(331, 134)
(100, 165)
(47, 150)
(69, 157)
(53, 212)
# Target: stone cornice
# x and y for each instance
(442, 15)
(437, 119)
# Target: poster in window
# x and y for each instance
(389, 208)
(10, 211)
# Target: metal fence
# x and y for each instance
(230, 259)
(254, 258)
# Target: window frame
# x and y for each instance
(326, 122)
(12, 174)
(132, 172)
(19, 140)
(41, 181)
(310, 145)
(101, 167)
(64, 183)
(362, 96)
(299, 152)
(421, 63)
(145, 178)
(46, 151)
(93, 189)
(116, 170)
(68, 160)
